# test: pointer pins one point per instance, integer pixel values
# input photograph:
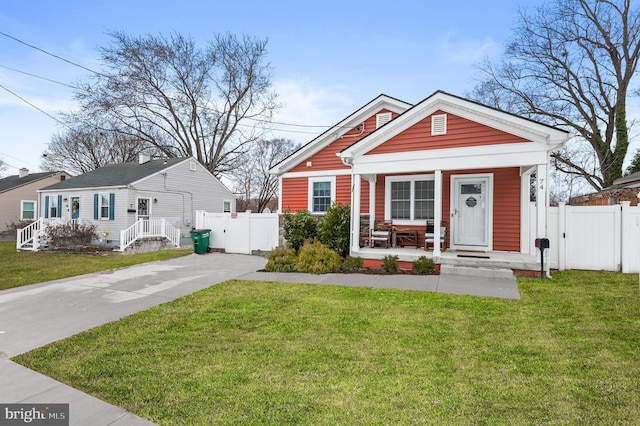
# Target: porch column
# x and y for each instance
(542, 204)
(437, 212)
(372, 201)
(525, 203)
(541, 201)
(355, 212)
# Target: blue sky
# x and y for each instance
(329, 58)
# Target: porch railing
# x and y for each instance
(146, 228)
(29, 237)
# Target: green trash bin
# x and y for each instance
(200, 239)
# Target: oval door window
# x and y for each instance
(471, 202)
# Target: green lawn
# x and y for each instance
(22, 268)
(246, 352)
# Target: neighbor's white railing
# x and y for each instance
(149, 228)
(29, 237)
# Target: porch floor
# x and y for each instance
(493, 259)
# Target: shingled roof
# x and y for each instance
(15, 181)
(121, 174)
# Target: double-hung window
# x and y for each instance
(410, 198)
(52, 206)
(322, 193)
(103, 206)
(27, 210)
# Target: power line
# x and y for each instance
(33, 106)
(36, 76)
(51, 54)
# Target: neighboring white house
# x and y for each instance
(117, 196)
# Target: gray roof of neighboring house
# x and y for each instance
(631, 180)
(121, 174)
(14, 181)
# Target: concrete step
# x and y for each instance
(479, 271)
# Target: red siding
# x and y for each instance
(295, 194)
(506, 209)
(460, 133)
(364, 196)
(343, 189)
(327, 158)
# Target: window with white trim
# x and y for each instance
(27, 210)
(226, 206)
(322, 193)
(104, 205)
(410, 198)
(54, 208)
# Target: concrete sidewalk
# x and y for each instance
(33, 316)
(505, 288)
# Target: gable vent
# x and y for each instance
(382, 119)
(439, 124)
(192, 166)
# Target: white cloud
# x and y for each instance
(466, 52)
(307, 103)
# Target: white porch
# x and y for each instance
(34, 236)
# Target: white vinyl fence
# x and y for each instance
(594, 238)
(240, 232)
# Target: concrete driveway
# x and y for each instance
(35, 315)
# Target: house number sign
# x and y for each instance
(471, 202)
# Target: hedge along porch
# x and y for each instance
(447, 159)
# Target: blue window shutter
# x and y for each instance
(95, 206)
(59, 206)
(112, 206)
(46, 207)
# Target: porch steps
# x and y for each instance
(476, 271)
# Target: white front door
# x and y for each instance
(144, 213)
(471, 211)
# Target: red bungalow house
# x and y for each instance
(446, 159)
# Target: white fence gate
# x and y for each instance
(594, 237)
(240, 232)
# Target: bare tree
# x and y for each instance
(254, 186)
(3, 167)
(86, 147)
(571, 63)
(181, 99)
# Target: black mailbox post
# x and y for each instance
(542, 243)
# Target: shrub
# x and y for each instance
(299, 227)
(423, 265)
(390, 263)
(352, 263)
(316, 258)
(334, 229)
(14, 225)
(71, 235)
(281, 260)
